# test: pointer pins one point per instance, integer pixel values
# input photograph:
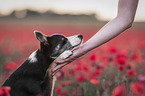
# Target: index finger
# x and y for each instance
(68, 60)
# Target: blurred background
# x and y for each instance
(116, 67)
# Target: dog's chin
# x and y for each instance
(75, 40)
(76, 46)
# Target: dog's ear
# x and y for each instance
(40, 36)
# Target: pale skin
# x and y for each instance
(123, 21)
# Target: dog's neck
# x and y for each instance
(41, 60)
(39, 55)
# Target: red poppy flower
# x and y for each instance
(122, 55)
(59, 91)
(80, 78)
(131, 72)
(93, 57)
(136, 56)
(5, 91)
(11, 65)
(78, 68)
(119, 90)
(121, 60)
(104, 58)
(112, 49)
(86, 69)
(95, 81)
(121, 68)
(137, 88)
(97, 72)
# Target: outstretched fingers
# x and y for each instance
(62, 61)
(58, 68)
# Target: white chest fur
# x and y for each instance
(33, 57)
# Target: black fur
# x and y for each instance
(31, 78)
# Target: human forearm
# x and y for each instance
(106, 33)
(124, 20)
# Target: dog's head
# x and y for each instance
(54, 45)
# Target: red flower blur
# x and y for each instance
(121, 68)
(112, 50)
(95, 81)
(11, 65)
(59, 91)
(121, 60)
(131, 72)
(78, 68)
(119, 90)
(97, 72)
(5, 91)
(138, 88)
(65, 92)
(67, 82)
(80, 78)
(93, 57)
(127, 51)
(135, 56)
(0, 79)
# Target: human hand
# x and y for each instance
(62, 63)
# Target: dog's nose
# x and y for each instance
(80, 36)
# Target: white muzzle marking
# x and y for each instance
(74, 40)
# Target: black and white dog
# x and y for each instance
(32, 77)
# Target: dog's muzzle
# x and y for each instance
(75, 40)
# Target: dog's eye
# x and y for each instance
(64, 41)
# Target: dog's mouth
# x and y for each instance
(75, 41)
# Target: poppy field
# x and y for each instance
(116, 68)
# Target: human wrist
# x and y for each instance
(82, 50)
